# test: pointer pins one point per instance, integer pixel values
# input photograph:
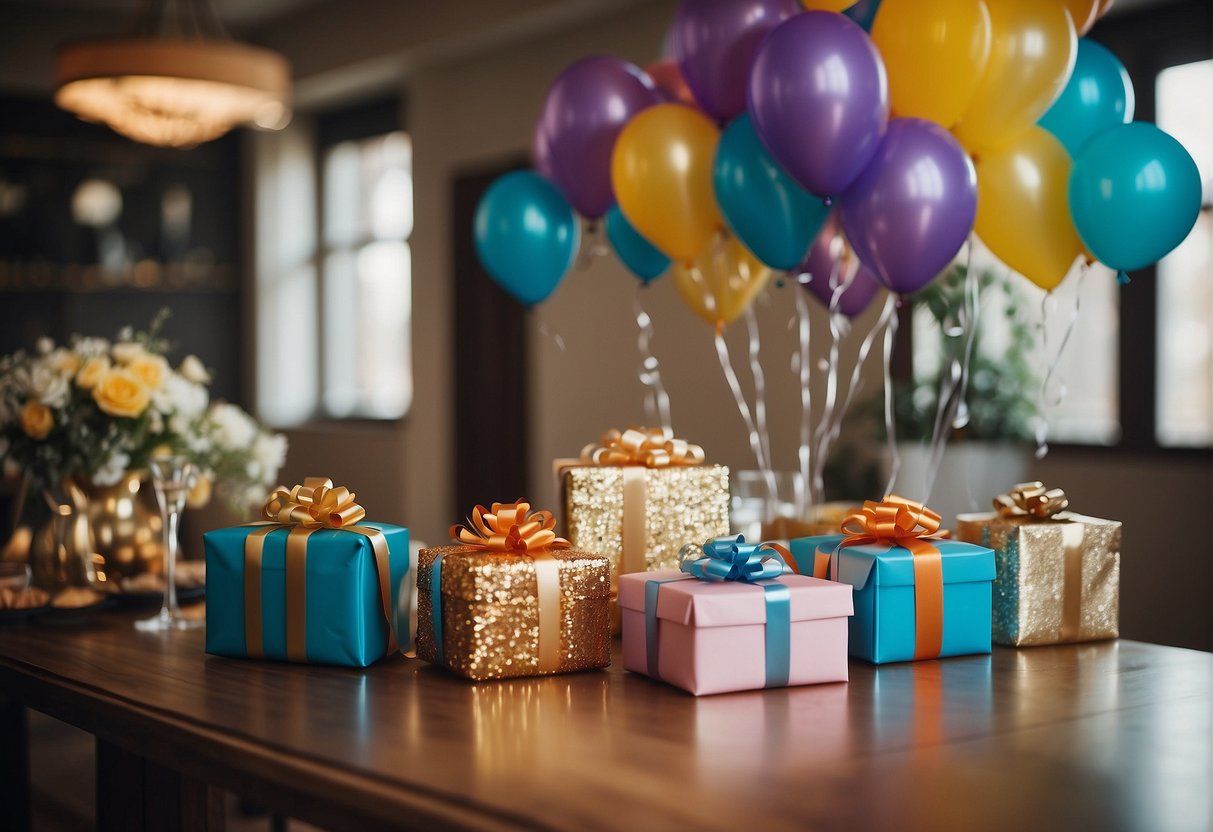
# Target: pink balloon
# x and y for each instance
(913, 207)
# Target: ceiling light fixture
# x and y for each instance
(176, 81)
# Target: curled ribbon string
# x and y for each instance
(1031, 499)
(912, 526)
(642, 446)
(314, 505)
(732, 559)
(510, 528)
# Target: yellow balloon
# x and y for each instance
(722, 281)
(935, 51)
(661, 170)
(827, 5)
(1032, 53)
(1023, 210)
(1084, 13)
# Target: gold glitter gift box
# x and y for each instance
(1058, 573)
(512, 599)
(636, 497)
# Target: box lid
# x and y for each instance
(732, 603)
(893, 565)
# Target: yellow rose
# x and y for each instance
(199, 494)
(65, 361)
(92, 371)
(37, 420)
(151, 369)
(119, 392)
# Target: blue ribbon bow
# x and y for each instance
(732, 559)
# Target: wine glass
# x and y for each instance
(171, 478)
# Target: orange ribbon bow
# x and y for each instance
(642, 446)
(510, 527)
(304, 509)
(910, 525)
(1031, 499)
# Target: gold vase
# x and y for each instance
(98, 535)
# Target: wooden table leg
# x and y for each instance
(135, 794)
(14, 762)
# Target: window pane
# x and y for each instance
(342, 195)
(385, 384)
(1184, 408)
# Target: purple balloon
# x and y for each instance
(911, 210)
(822, 264)
(541, 155)
(586, 108)
(819, 99)
(715, 42)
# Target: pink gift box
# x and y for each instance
(711, 635)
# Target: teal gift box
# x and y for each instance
(884, 624)
(324, 607)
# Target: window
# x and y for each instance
(334, 283)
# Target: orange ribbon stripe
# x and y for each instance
(642, 446)
(912, 526)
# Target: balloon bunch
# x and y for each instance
(792, 136)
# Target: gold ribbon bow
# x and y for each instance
(648, 447)
(513, 529)
(910, 525)
(1031, 499)
(304, 509)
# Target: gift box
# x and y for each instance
(1058, 573)
(637, 497)
(916, 596)
(512, 599)
(732, 620)
(314, 583)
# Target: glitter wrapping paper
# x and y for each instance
(490, 616)
(681, 503)
(1058, 580)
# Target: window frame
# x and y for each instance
(366, 119)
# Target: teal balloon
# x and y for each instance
(864, 13)
(765, 208)
(526, 235)
(637, 253)
(1134, 195)
(1098, 96)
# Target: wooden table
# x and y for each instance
(1108, 736)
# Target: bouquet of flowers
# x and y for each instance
(98, 409)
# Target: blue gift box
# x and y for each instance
(883, 626)
(344, 616)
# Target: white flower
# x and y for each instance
(194, 370)
(252, 470)
(155, 421)
(127, 351)
(233, 428)
(45, 345)
(126, 333)
(270, 453)
(92, 347)
(113, 469)
(180, 396)
(48, 385)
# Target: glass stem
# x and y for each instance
(171, 520)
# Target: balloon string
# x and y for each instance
(954, 386)
(730, 376)
(803, 497)
(1045, 401)
(830, 413)
(890, 426)
(592, 244)
(656, 400)
(760, 384)
(550, 332)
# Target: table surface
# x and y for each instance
(1112, 735)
